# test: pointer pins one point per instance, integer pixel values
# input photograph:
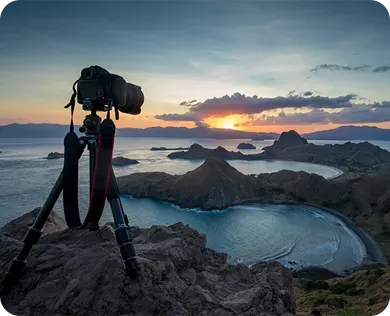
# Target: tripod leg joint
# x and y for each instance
(32, 236)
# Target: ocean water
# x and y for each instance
(248, 234)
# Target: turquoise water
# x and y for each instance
(262, 232)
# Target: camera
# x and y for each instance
(99, 90)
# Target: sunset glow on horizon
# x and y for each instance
(246, 65)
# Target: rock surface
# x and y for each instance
(81, 272)
(55, 155)
(217, 185)
(123, 161)
(166, 149)
(245, 146)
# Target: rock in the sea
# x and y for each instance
(245, 146)
(55, 155)
(168, 149)
(123, 161)
(81, 272)
(197, 151)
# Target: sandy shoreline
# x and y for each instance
(373, 249)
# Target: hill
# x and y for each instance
(58, 130)
(351, 133)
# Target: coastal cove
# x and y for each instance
(296, 235)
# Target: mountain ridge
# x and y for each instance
(49, 130)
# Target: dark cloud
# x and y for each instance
(202, 125)
(188, 103)
(335, 67)
(307, 93)
(190, 117)
(382, 69)
(354, 115)
(241, 104)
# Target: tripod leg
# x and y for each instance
(122, 231)
(31, 238)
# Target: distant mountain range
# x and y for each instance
(58, 130)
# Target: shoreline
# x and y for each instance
(373, 249)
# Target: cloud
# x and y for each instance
(354, 115)
(241, 104)
(382, 69)
(185, 117)
(335, 67)
(188, 103)
(202, 125)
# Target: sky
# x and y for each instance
(248, 65)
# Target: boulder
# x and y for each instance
(81, 272)
(123, 161)
(245, 146)
(55, 155)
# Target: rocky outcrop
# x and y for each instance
(213, 185)
(81, 272)
(196, 151)
(245, 146)
(168, 149)
(289, 139)
(123, 161)
(55, 155)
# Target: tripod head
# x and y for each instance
(91, 125)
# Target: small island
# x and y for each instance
(54, 155)
(123, 161)
(168, 149)
(246, 146)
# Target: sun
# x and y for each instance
(228, 125)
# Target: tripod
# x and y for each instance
(92, 129)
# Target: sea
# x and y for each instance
(295, 235)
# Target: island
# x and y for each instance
(245, 146)
(55, 155)
(123, 161)
(349, 157)
(168, 149)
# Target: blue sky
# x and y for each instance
(199, 50)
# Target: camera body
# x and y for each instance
(99, 90)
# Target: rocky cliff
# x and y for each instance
(81, 272)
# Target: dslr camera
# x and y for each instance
(99, 90)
